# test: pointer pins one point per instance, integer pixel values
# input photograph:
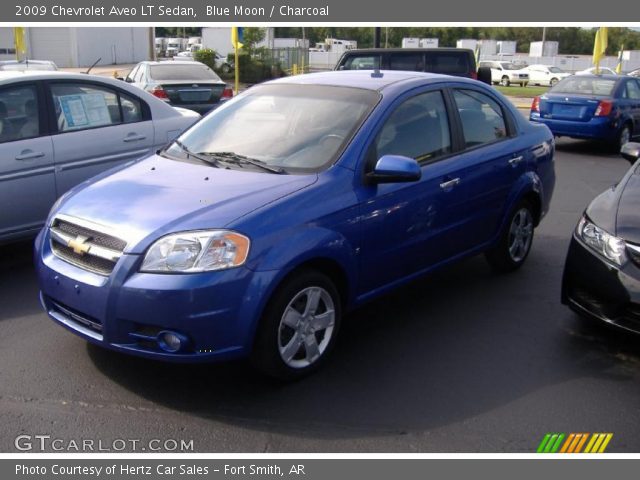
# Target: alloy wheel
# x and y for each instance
(520, 235)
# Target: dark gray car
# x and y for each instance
(186, 84)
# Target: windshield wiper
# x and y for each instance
(189, 153)
(236, 158)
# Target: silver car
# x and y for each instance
(58, 129)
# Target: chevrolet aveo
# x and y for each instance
(259, 227)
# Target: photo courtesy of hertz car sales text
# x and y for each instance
(351, 183)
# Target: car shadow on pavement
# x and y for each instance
(18, 291)
(586, 147)
(458, 344)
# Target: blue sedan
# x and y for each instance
(601, 107)
(255, 231)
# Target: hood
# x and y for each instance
(157, 196)
(628, 219)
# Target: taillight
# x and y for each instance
(159, 92)
(227, 93)
(474, 75)
(535, 105)
(604, 108)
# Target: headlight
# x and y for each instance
(197, 251)
(610, 247)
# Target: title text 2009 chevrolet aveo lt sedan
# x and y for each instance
(254, 232)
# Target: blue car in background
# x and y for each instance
(600, 107)
(257, 229)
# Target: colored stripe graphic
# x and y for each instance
(574, 443)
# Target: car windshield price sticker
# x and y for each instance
(88, 110)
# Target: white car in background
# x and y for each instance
(59, 129)
(592, 71)
(545, 74)
(506, 73)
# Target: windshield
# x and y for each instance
(510, 66)
(294, 128)
(555, 70)
(182, 72)
(585, 86)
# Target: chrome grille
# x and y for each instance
(85, 247)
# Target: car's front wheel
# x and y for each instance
(515, 240)
(553, 82)
(504, 81)
(299, 326)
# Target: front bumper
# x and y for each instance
(598, 128)
(593, 287)
(216, 311)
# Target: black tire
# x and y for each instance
(624, 136)
(553, 81)
(503, 257)
(273, 330)
(504, 81)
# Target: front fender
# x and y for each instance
(303, 244)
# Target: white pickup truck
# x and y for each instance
(506, 73)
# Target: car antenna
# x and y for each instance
(94, 64)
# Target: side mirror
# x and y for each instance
(484, 75)
(395, 169)
(128, 79)
(120, 78)
(630, 152)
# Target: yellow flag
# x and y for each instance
(19, 41)
(236, 37)
(599, 47)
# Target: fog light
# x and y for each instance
(171, 342)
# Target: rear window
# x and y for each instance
(582, 85)
(364, 62)
(451, 63)
(182, 72)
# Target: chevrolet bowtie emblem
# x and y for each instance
(79, 245)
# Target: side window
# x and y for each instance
(131, 109)
(633, 90)
(79, 106)
(482, 117)
(19, 118)
(403, 61)
(370, 62)
(419, 128)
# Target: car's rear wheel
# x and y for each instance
(553, 82)
(226, 68)
(515, 241)
(624, 136)
(299, 326)
(504, 81)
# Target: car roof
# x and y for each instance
(408, 50)
(15, 62)
(365, 79)
(172, 62)
(10, 76)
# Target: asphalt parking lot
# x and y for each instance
(463, 361)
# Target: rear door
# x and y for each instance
(632, 103)
(27, 182)
(491, 160)
(97, 127)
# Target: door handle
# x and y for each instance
(134, 138)
(450, 183)
(29, 155)
(516, 160)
